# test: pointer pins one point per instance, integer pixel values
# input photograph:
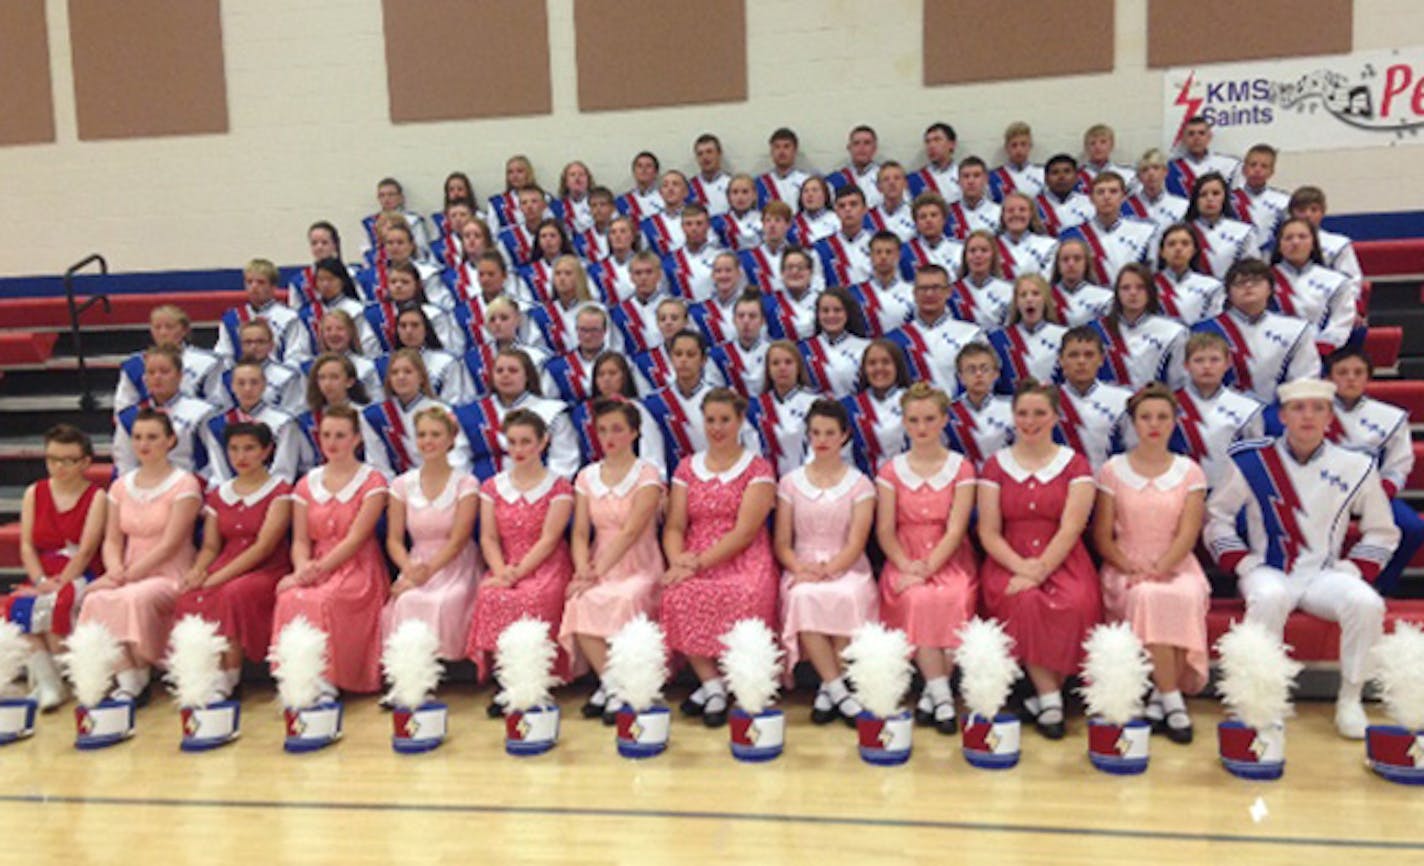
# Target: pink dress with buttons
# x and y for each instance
(821, 519)
(141, 611)
(242, 606)
(630, 586)
(446, 601)
(696, 612)
(1049, 622)
(931, 612)
(346, 602)
(1146, 514)
(540, 593)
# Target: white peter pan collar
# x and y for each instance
(148, 494)
(802, 481)
(619, 490)
(936, 482)
(504, 486)
(227, 492)
(1122, 467)
(1043, 474)
(699, 468)
(317, 487)
(415, 491)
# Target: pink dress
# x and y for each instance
(1146, 515)
(520, 517)
(447, 600)
(141, 611)
(629, 588)
(821, 519)
(346, 604)
(1049, 622)
(242, 606)
(698, 611)
(931, 612)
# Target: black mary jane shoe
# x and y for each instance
(593, 711)
(1181, 736)
(947, 726)
(923, 718)
(610, 716)
(689, 707)
(1051, 730)
(824, 717)
(494, 710)
(848, 718)
(714, 718)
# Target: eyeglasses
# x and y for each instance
(976, 369)
(55, 460)
(935, 288)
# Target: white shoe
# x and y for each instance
(1350, 719)
(49, 697)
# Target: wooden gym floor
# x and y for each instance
(358, 802)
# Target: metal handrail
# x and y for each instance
(76, 309)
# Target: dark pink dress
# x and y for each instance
(242, 606)
(1049, 622)
(698, 611)
(520, 517)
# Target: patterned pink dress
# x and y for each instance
(821, 519)
(540, 593)
(347, 603)
(1146, 515)
(1049, 622)
(629, 588)
(930, 612)
(698, 611)
(141, 611)
(446, 602)
(242, 606)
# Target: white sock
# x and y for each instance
(836, 688)
(699, 696)
(232, 679)
(1052, 704)
(1031, 703)
(926, 703)
(823, 702)
(1154, 711)
(938, 689)
(715, 687)
(599, 698)
(1176, 709)
(1350, 691)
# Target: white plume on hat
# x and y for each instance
(1256, 674)
(878, 662)
(1117, 672)
(987, 666)
(195, 661)
(751, 664)
(411, 662)
(1399, 666)
(299, 657)
(637, 663)
(524, 662)
(93, 656)
(1306, 389)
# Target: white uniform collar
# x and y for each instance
(1122, 467)
(415, 491)
(624, 485)
(504, 486)
(1043, 474)
(803, 483)
(726, 476)
(321, 495)
(227, 492)
(937, 481)
(148, 494)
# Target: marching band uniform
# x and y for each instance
(1338, 251)
(418, 232)
(1007, 178)
(965, 218)
(714, 318)
(845, 261)
(1224, 243)
(808, 228)
(679, 419)
(652, 371)
(286, 439)
(1183, 171)
(504, 210)
(918, 252)
(737, 232)
(614, 281)
(1126, 240)
(591, 244)
(1162, 211)
(932, 349)
(518, 244)
(312, 314)
(1029, 254)
(650, 438)
(1265, 351)
(1083, 303)
(291, 337)
(481, 419)
(388, 436)
(554, 325)
(780, 422)
(663, 232)
(1319, 296)
(900, 220)
(865, 178)
(374, 284)
(1088, 171)
(572, 375)
(711, 192)
(833, 363)
(789, 317)
(573, 212)
(1023, 352)
(774, 186)
(689, 271)
(366, 373)
(188, 415)
(1265, 209)
(742, 366)
(938, 179)
(986, 303)
(301, 291)
(1095, 422)
(877, 428)
(538, 279)
(447, 374)
(635, 322)
(640, 203)
(1060, 214)
(202, 378)
(1139, 352)
(1189, 297)
(479, 363)
(1208, 425)
(979, 432)
(286, 388)
(381, 318)
(886, 307)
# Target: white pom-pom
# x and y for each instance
(524, 663)
(1116, 673)
(1399, 663)
(94, 654)
(637, 663)
(987, 666)
(1256, 675)
(751, 664)
(299, 657)
(411, 660)
(878, 662)
(195, 661)
(14, 652)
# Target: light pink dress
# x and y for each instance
(930, 612)
(1146, 515)
(629, 588)
(347, 602)
(141, 611)
(821, 519)
(446, 601)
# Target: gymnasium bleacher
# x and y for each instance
(41, 384)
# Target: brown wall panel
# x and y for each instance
(645, 53)
(1184, 32)
(505, 41)
(26, 98)
(147, 67)
(965, 39)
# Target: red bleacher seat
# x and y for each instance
(25, 348)
(1391, 258)
(1382, 344)
(1310, 638)
(125, 309)
(1416, 478)
(1407, 394)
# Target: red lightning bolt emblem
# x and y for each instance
(1191, 103)
(1286, 504)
